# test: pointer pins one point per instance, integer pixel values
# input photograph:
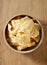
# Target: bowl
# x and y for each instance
(29, 49)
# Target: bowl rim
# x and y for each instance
(28, 51)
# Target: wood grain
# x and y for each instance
(35, 8)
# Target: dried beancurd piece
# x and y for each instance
(37, 38)
(24, 29)
(37, 26)
(25, 46)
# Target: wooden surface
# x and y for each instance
(35, 8)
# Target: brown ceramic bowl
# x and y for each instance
(27, 50)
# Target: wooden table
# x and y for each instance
(35, 8)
